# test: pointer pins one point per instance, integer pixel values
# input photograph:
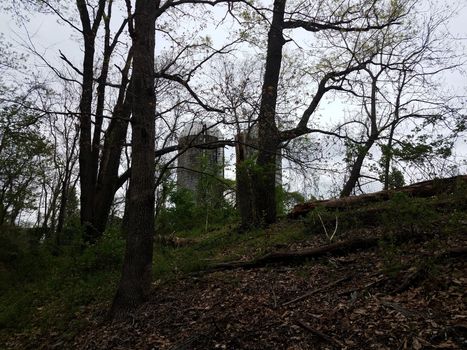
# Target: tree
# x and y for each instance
(342, 20)
(136, 277)
(23, 151)
(99, 170)
(103, 108)
(137, 267)
(399, 88)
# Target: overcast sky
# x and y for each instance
(48, 37)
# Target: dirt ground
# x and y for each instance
(388, 297)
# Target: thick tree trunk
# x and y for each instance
(99, 170)
(86, 171)
(87, 167)
(137, 266)
(268, 137)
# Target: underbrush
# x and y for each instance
(45, 289)
(219, 244)
(401, 212)
(41, 288)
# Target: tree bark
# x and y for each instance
(268, 136)
(245, 195)
(107, 180)
(99, 166)
(137, 266)
(87, 168)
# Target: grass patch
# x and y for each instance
(221, 244)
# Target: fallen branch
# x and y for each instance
(320, 334)
(401, 310)
(366, 286)
(316, 291)
(338, 248)
(416, 275)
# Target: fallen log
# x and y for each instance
(284, 256)
(334, 249)
(420, 189)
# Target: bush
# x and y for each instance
(184, 214)
(404, 211)
(44, 287)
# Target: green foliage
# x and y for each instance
(221, 244)
(406, 212)
(396, 178)
(23, 153)
(180, 213)
(322, 220)
(287, 200)
(40, 288)
(392, 259)
(183, 213)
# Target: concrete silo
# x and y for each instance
(200, 161)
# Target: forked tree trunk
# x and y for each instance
(98, 168)
(137, 266)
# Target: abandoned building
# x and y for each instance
(200, 162)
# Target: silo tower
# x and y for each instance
(199, 159)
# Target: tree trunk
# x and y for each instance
(137, 266)
(268, 137)
(87, 168)
(356, 169)
(388, 157)
(363, 151)
(99, 170)
(107, 181)
(422, 189)
(245, 195)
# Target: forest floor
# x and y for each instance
(407, 294)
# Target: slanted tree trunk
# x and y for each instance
(137, 266)
(363, 151)
(108, 180)
(356, 168)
